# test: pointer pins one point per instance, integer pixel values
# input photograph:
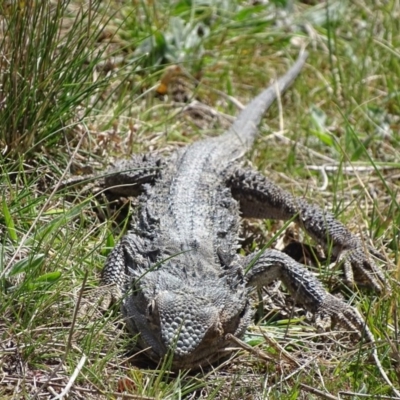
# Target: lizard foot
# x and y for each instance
(359, 267)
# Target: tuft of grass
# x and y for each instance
(47, 72)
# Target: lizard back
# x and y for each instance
(190, 203)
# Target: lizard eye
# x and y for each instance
(150, 309)
(152, 316)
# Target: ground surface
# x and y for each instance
(334, 139)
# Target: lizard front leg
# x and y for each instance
(127, 259)
(308, 291)
(305, 289)
(261, 198)
(127, 262)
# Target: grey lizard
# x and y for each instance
(182, 284)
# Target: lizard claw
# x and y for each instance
(360, 267)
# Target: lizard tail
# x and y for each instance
(245, 126)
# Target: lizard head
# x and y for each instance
(186, 317)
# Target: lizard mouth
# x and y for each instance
(204, 356)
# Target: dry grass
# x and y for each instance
(333, 138)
